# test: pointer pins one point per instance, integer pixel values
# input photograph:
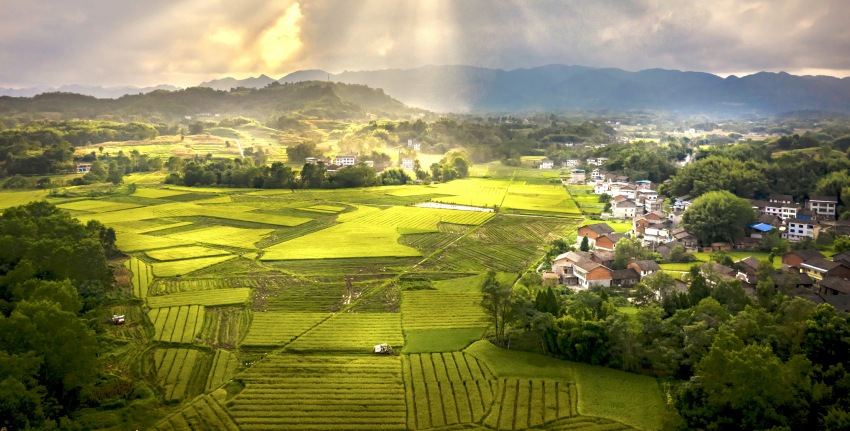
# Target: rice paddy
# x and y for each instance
(260, 309)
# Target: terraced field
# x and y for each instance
(210, 298)
(321, 392)
(176, 370)
(186, 266)
(142, 277)
(177, 324)
(351, 332)
(273, 328)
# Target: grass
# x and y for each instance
(509, 363)
(13, 199)
(613, 394)
(440, 339)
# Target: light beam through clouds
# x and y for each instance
(183, 42)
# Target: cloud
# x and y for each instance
(186, 41)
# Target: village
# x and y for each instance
(656, 224)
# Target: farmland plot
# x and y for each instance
(319, 392)
(96, 206)
(176, 370)
(225, 327)
(205, 413)
(521, 404)
(177, 324)
(209, 298)
(142, 277)
(274, 328)
(131, 241)
(352, 332)
(506, 244)
(224, 366)
(179, 253)
(446, 389)
(342, 241)
(186, 266)
(223, 235)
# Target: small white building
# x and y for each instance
(546, 164)
(345, 160)
(407, 164)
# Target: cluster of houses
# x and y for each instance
(548, 163)
(344, 160)
(582, 270)
(817, 278)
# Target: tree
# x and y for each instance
(585, 244)
(627, 250)
(497, 302)
(718, 216)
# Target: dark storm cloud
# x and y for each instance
(185, 41)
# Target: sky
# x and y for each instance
(184, 42)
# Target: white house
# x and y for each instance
(822, 205)
(546, 164)
(798, 229)
(570, 163)
(407, 164)
(345, 160)
(625, 209)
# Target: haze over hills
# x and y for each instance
(327, 100)
(559, 88)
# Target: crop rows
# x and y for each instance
(177, 324)
(507, 244)
(314, 392)
(223, 367)
(142, 277)
(274, 328)
(385, 264)
(584, 423)
(445, 389)
(521, 403)
(254, 217)
(205, 413)
(425, 309)
(180, 253)
(225, 327)
(174, 370)
(223, 235)
(428, 243)
(352, 332)
(209, 298)
(174, 285)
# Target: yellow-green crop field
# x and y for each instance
(260, 309)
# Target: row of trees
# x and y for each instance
(245, 173)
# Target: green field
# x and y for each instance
(259, 309)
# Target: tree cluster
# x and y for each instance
(53, 272)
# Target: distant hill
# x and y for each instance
(560, 88)
(325, 100)
(99, 92)
(557, 88)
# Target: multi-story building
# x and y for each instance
(823, 206)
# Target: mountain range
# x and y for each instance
(565, 88)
